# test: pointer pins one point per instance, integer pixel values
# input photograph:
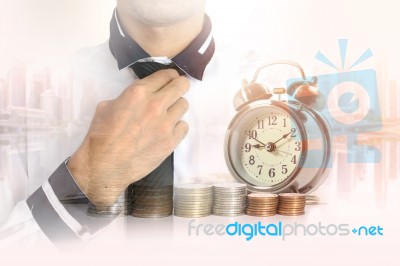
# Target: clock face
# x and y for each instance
(267, 145)
(271, 146)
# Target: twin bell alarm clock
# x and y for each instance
(279, 145)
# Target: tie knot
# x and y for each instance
(146, 68)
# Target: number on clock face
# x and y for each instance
(271, 147)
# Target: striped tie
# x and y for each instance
(163, 175)
(161, 180)
(144, 69)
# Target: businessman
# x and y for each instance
(158, 86)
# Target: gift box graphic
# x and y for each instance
(350, 103)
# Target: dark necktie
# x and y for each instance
(144, 69)
(156, 187)
(163, 175)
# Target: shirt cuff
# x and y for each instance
(55, 220)
(64, 185)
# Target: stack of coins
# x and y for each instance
(229, 199)
(193, 200)
(121, 206)
(262, 204)
(149, 201)
(291, 204)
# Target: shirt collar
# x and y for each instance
(192, 60)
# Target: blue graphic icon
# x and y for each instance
(351, 103)
(348, 103)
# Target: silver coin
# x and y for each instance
(229, 204)
(179, 204)
(228, 210)
(192, 192)
(193, 186)
(180, 190)
(192, 215)
(230, 199)
(228, 195)
(229, 185)
(192, 210)
(193, 199)
(184, 197)
(208, 195)
(179, 212)
(229, 214)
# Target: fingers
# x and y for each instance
(180, 131)
(174, 90)
(177, 110)
(174, 116)
(164, 86)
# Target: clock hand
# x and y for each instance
(284, 152)
(255, 139)
(257, 146)
(292, 131)
(284, 136)
(270, 147)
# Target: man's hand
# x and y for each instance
(130, 136)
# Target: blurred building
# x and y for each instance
(37, 82)
(17, 86)
(3, 94)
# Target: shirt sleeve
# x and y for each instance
(60, 213)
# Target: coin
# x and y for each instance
(121, 206)
(192, 186)
(262, 204)
(142, 215)
(261, 214)
(150, 200)
(192, 200)
(291, 213)
(291, 204)
(229, 199)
